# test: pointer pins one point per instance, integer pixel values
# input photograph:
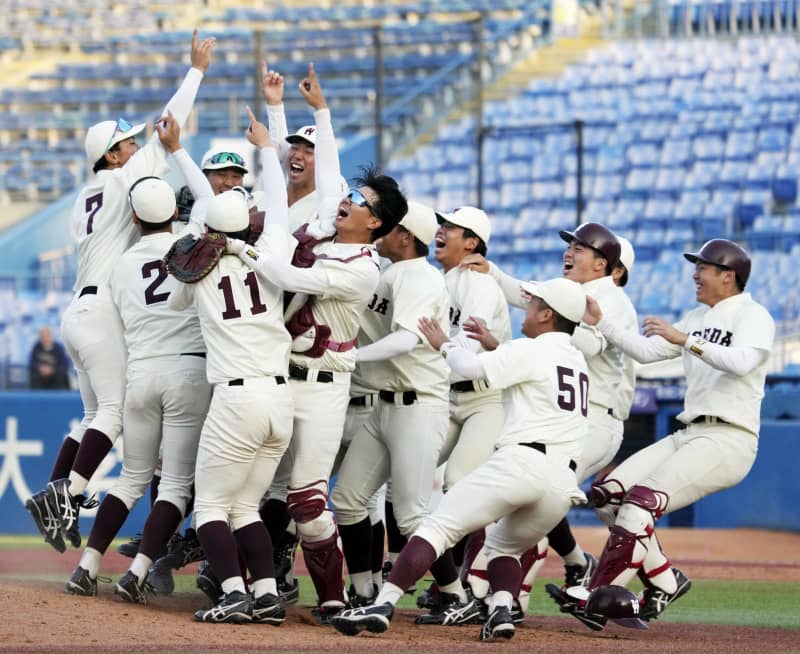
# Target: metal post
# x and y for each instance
(257, 94)
(481, 57)
(579, 125)
(378, 97)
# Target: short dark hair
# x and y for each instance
(420, 248)
(153, 227)
(624, 278)
(242, 234)
(481, 247)
(391, 205)
(560, 323)
(102, 163)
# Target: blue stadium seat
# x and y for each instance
(784, 185)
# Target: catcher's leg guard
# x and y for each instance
(627, 545)
(324, 560)
(474, 567)
(606, 496)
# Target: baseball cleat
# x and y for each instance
(131, 590)
(46, 519)
(654, 600)
(235, 607)
(131, 548)
(181, 551)
(160, 579)
(327, 612)
(451, 611)
(499, 624)
(268, 609)
(430, 597)
(67, 508)
(288, 592)
(80, 583)
(207, 582)
(579, 575)
(575, 607)
(375, 619)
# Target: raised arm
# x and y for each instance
(182, 102)
(169, 134)
(327, 170)
(272, 85)
(271, 177)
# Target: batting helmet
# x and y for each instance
(726, 254)
(616, 603)
(599, 238)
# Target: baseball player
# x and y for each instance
(314, 188)
(248, 426)
(476, 411)
(589, 259)
(299, 154)
(167, 394)
(405, 432)
(627, 383)
(529, 482)
(91, 329)
(725, 346)
(341, 282)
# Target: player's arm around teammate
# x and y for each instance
(725, 346)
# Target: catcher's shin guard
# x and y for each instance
(325, 563)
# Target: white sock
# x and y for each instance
(575, 557)
(233, 583)
(141, 564)
(264, 586)
(389, 593)
(77, 483)
(455, 588)
(501, 598)
(90, 561)
(362, 581)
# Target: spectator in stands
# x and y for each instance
(48, 367)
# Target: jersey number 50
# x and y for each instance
(567, 391)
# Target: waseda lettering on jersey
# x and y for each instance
(715, 335)
(379, 307)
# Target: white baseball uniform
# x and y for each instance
(248, 426)
(90, 328)
(405, 432)
(607, 371)
(725, 359)
(529, 481)
(476, 409)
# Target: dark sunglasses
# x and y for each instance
(227, 157)
(356, 197)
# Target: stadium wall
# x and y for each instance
(33, 423)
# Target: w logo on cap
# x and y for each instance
(308, 131)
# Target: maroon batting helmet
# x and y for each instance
(599, 238)
(616, 603)
(726, 254)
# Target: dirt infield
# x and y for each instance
(39, 616)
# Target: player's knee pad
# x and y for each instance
(606, 492)
(308, 507)
(653, 501)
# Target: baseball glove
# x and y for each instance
(190, 259)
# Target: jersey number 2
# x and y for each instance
(567, 392)
(150, 295)
(256, 305)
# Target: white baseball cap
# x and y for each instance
(306, 133)
(218, 158)
(103, 136)
(470, 218)
(228, 212)
(152, 200)
(626, 254)
(562, 295)
(420, 221)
